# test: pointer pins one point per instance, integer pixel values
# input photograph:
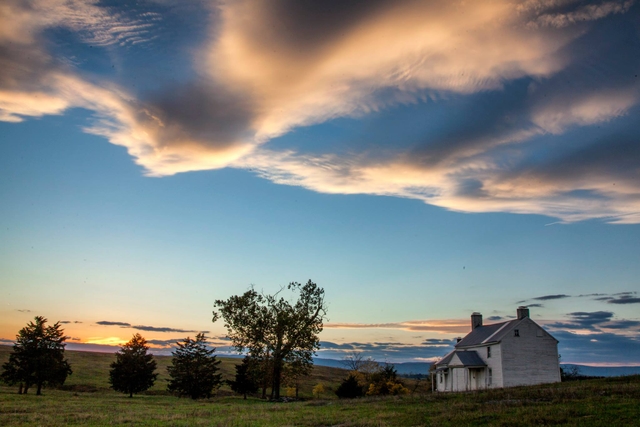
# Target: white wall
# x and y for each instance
(530, 358)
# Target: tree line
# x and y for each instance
(277, 336)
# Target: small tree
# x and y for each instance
(318, 389)
(134, 369)
(37, 357)
(245, 382)
(194, 369)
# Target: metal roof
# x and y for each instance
(467, 358)
(470, 358)
(487, 334)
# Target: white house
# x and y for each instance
(507, 354)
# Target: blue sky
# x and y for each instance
(418, 160)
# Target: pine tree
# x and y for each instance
(37, 357)
(133, 370)
(194, 369)
(245, 382)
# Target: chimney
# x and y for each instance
(476, 320)
(523, 312)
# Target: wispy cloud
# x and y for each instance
(440, 326)
(499, 72)
(110, 323)
(624, 299)
(163, 329)
(147, 328)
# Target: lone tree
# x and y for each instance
(37, 357)
(194, 369)
(269, 327)
(134, 369)
(246, 378)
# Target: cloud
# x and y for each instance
(23, 310)
(591, 318)
(387, 351)
(110, 323)
(440, 326)
(163, 329)
(585, 13)
(64, 322)
(507, 87)
(146, 328)
(597, 348)
(550, 297)
(624, 299)
(494, 318)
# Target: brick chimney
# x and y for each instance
(476, 320)
(523, 312)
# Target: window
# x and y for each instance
(490, 379)
(488, 352)
(441, 375)
(516, 332)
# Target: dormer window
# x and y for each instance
(516, 332)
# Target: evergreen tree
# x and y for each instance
(350, 388)
(37, 357)
(194, 369)
(133, 370)
(245, 382)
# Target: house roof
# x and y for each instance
(487, 333)
(467, 358)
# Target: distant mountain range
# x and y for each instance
(409, 368)
(604, 371)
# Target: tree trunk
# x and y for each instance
(20, 389)
(39, 391)
(277, 373)
(130, 394)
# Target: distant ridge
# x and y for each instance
(604, 371)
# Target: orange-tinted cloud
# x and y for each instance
(266, 69)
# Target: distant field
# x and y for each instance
(604, 402)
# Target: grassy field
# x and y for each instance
(603, 402)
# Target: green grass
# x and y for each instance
(603, 402)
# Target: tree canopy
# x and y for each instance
(134, 369)
(269, 327)
(37, 357)
(194, 369)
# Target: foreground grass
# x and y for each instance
(605, 402)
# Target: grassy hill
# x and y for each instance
(88, 401)
(91, 372)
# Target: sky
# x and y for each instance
(419, 160)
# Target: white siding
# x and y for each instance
(495, 363)
(529, 358)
